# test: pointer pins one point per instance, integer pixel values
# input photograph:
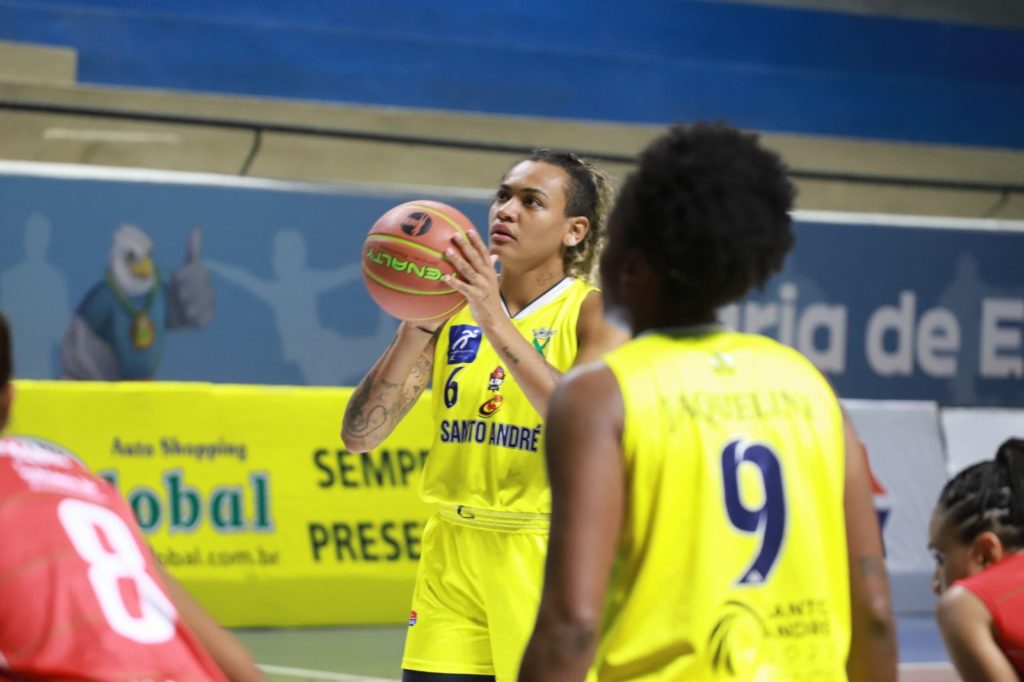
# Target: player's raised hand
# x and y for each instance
(477, 278)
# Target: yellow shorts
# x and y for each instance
(477, 590)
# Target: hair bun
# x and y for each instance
(1011, 456)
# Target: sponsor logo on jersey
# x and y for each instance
(497, 378)
(491, 406)
(511, 436)
(736, 642)
(541, 338)
(463, 343)
(412, 618)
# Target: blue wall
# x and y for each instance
(884, 311)
(645, 61)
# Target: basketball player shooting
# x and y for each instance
(494, 364)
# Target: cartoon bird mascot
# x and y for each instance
(118, 329)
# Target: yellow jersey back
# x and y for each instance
(732, 563)
(488, 449)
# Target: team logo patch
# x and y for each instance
(491, 406)
(412, 618)
(463, 343)
(541, 338)
(497, 379)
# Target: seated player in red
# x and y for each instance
(977, 536)
(81, 596)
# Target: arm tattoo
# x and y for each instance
(510, 355)
(420, 376)
(871, 566)
(365, 420)
(379, 404)
(424, 363)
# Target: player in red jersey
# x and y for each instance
(977, 536)
(81, 596)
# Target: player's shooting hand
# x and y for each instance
(477, 278)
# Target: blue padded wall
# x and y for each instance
(643, 61)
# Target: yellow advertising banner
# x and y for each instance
(247, 495)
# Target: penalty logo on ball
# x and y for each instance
(394, 262)
(416, 224)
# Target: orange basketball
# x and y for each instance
(403, 260)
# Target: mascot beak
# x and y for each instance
(143, 269)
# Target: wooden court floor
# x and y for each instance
(374, 654)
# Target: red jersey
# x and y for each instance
(79, 593)
(1001, 588)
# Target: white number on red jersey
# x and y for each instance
(83, 522)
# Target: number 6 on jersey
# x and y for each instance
(769, 520)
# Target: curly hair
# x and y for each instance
(710, 206)
(589, 194)
(6, 364)
(989, 496)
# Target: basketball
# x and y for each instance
(404, 263)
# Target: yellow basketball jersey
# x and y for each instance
(732, 563)
(488, 449)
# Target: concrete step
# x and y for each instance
(31, 63)
(113, 142)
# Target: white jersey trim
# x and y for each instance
(541, 300)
